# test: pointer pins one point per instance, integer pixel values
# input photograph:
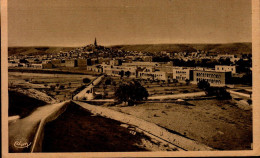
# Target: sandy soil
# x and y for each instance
(77, 130)
(218, 124)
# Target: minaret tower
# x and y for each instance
(95, 42)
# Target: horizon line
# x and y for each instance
(130, 44)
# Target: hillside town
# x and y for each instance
(216, 68)
(161, 101)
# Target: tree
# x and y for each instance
(220, 93)
(187, 82)
(52, 87)
(23, 61)
(57, 85)
(121, 73)
(203, 84)
(131, 92)
(247, 78)
(62, 86)
(127, 73)
(108, 81)
(114, 83)
(86, 80)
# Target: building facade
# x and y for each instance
(214, 78)
(71, 63)
(182, 74)
(116, 70)
(226, 68)
(151, 74)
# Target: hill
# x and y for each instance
(36, 50)
(229, 48)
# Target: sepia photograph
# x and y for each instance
(128, 76)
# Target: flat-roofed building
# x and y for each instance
(71, 63)
(182, 74)
(12, 64)
(36, 66)
(82, 62)
(147, 58)
(225, 56)
(115, 62)
(115, 70)
(150, 73)
(57, 62)
(92, 61)
(226, 68)
(214, 78)
(47, 66)
(95, 68)
(142, 64)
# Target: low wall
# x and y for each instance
(151, 128)
(239, 94)
(178, 96)
(38, 138)
(89, 96)
(25, 135)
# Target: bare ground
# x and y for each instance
(77, 130)
(218, 124)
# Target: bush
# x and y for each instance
(219, 92)
(52, 87)
(185, 91)
(62, 87)
(203, 84)
(187, 82)
(131, 93)
(108, 81)
(86, 80)
(222, 94)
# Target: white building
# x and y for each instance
(116, 70)
(225, 68)
(150, 73)
(182, 74)
(142, 64)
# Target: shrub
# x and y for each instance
(187, 82)
(52, 87)
(131, 93)
(108, 81)
(222, 94)
(61, 87)
(86, 80)
(185, 91)
(219, 92)
(203, 84)
(249, 101)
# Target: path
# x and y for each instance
(177, 96)
(88, 93)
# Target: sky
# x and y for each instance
(115, 22)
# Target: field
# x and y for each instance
(218, 124)
(154, 88)
(58, 86)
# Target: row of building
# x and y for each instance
(220, 76)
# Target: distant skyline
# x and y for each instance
(73, 23)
